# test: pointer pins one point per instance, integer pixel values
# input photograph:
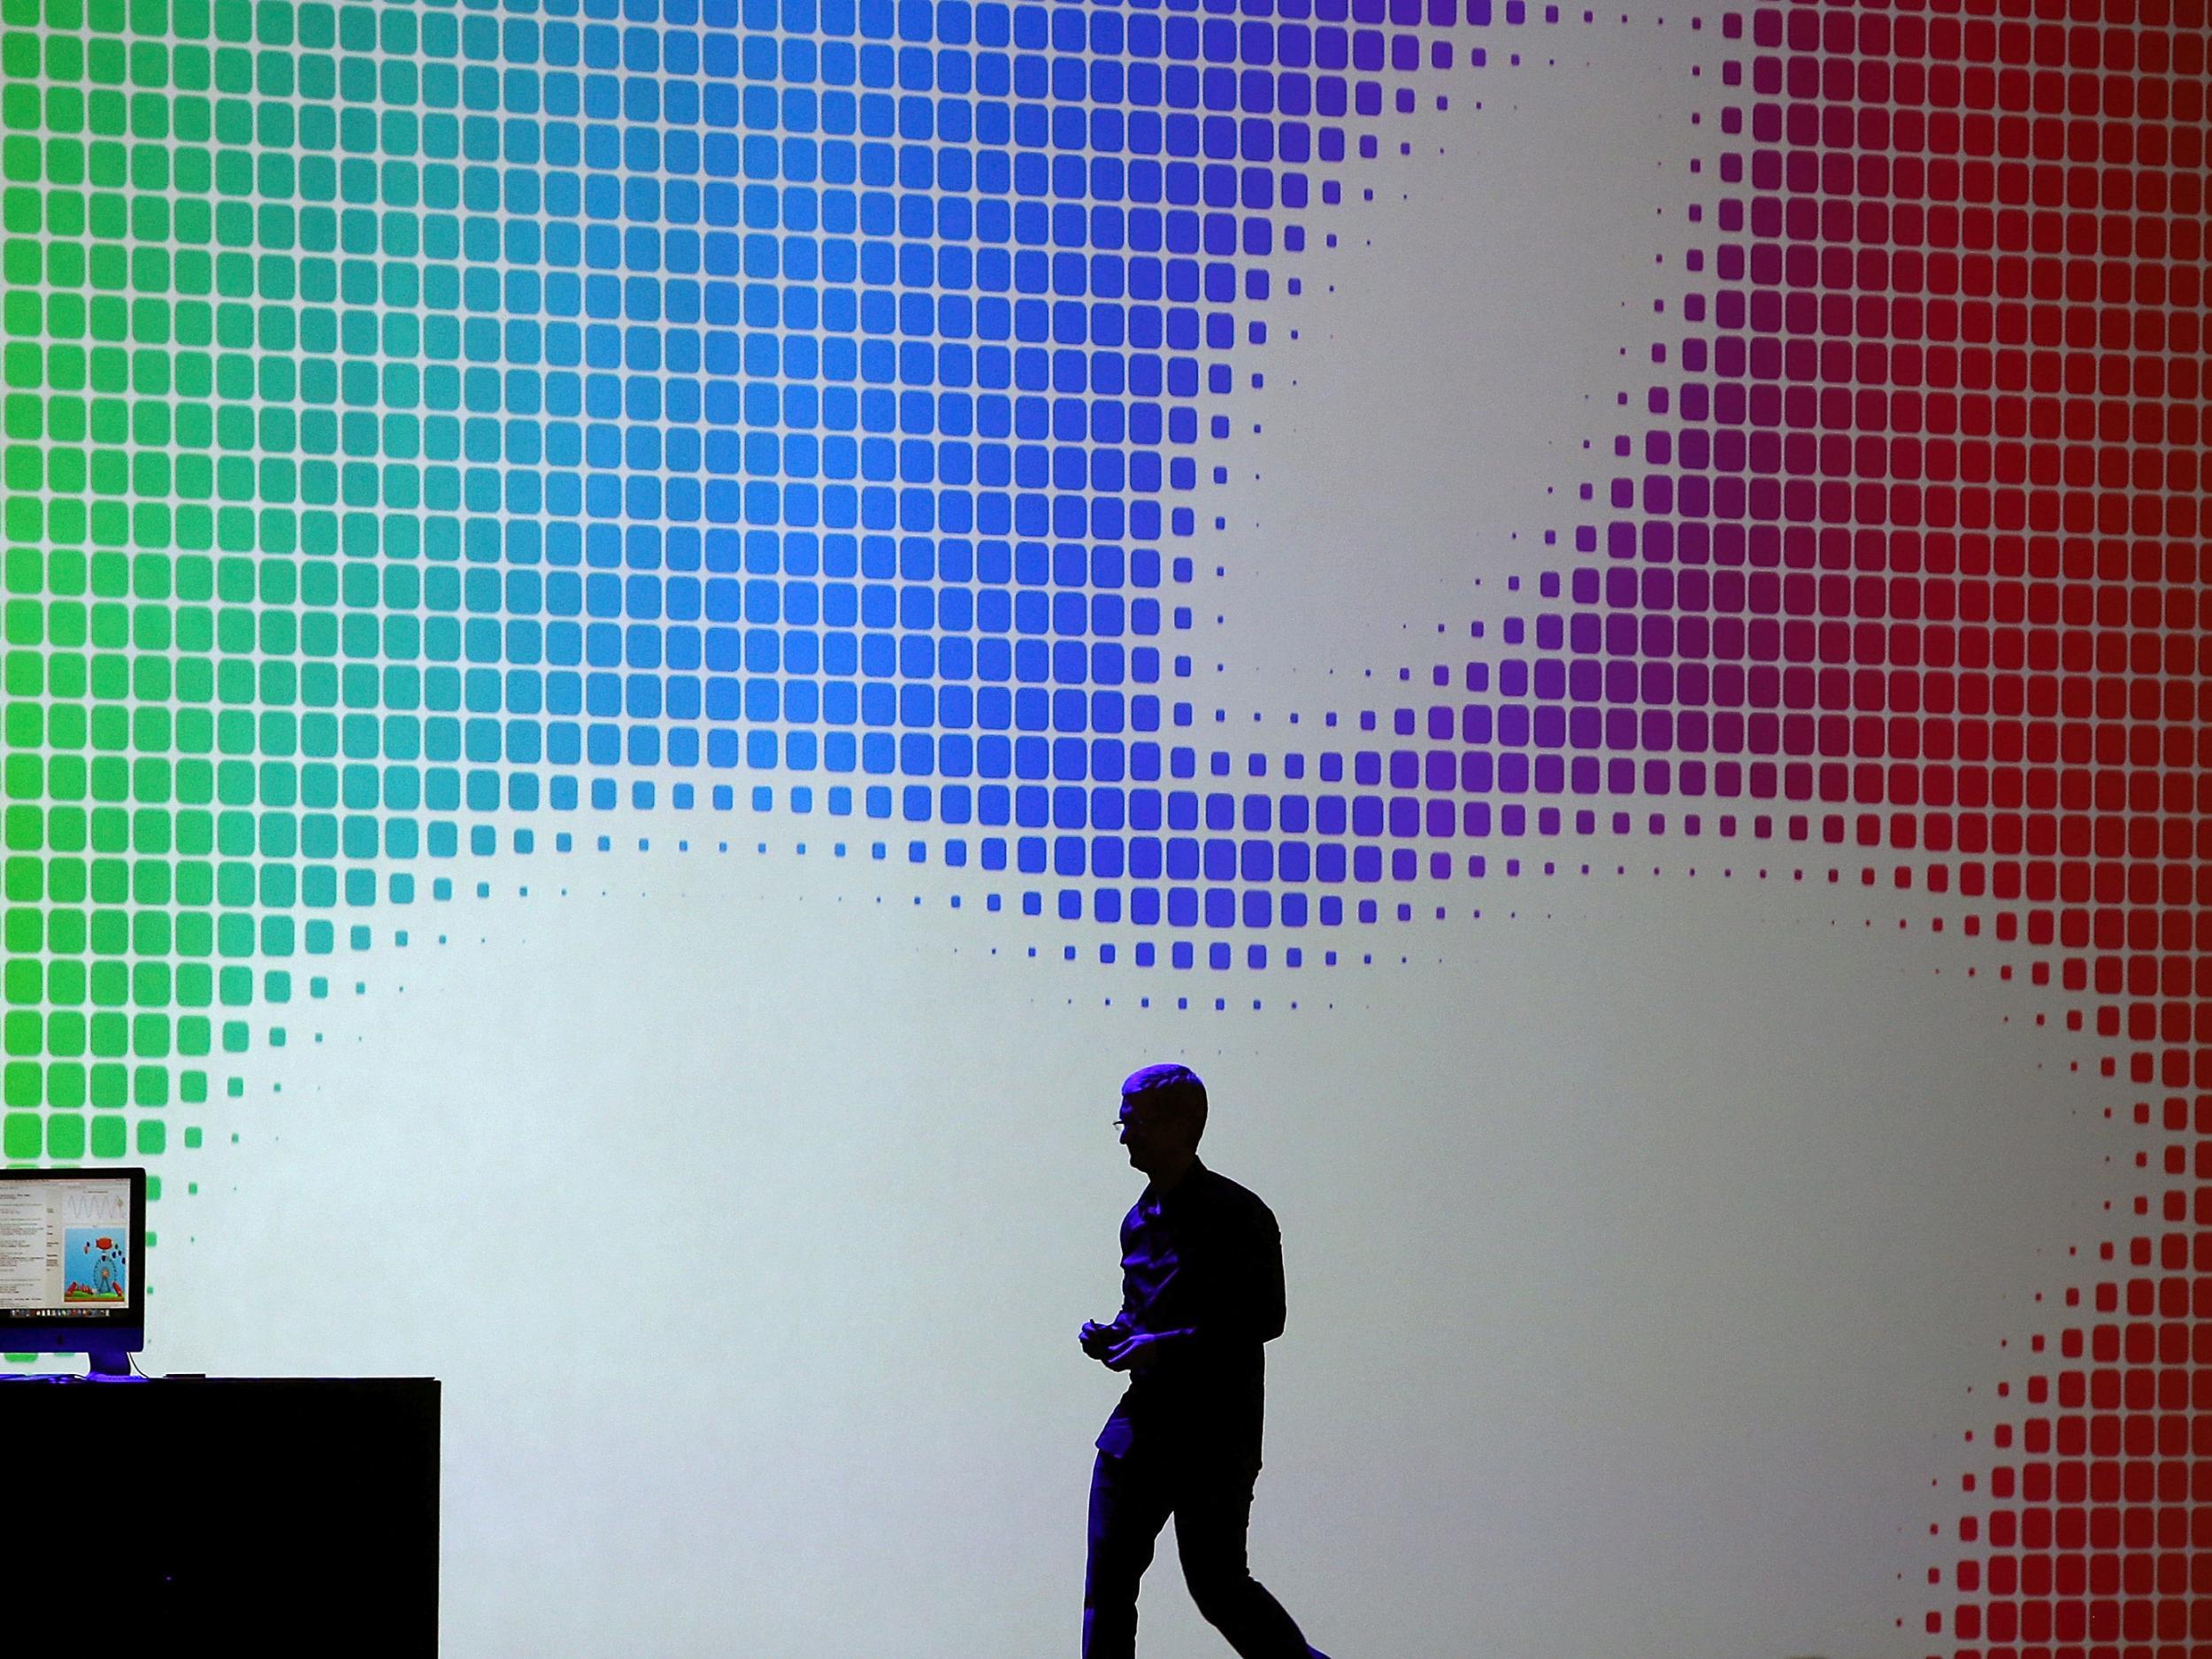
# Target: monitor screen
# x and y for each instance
(73, 1244)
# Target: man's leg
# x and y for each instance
(1129, 1506)
(1213, 1510)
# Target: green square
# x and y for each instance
(20, 1135)
(110, 1138)
(64, 1084)
(66, 1135)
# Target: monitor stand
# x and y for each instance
(110, 1365)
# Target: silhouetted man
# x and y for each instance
(1202, 1281)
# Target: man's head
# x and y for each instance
(1163, 1115)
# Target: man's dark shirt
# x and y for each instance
(1207, 1259)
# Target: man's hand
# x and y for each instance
(1098, 1340)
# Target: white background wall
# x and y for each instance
(1642, 1248)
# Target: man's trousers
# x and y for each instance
(1131, 1497)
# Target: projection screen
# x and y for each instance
(648, 643)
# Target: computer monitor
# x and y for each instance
(72, 1264)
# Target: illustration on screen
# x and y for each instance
(98, 1268)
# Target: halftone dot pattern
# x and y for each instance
(417, 414)
(426, 423)
(1948, 426)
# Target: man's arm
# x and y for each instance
(1264, 1270)
(1100, 1340)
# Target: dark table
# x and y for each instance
(294, 1516)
